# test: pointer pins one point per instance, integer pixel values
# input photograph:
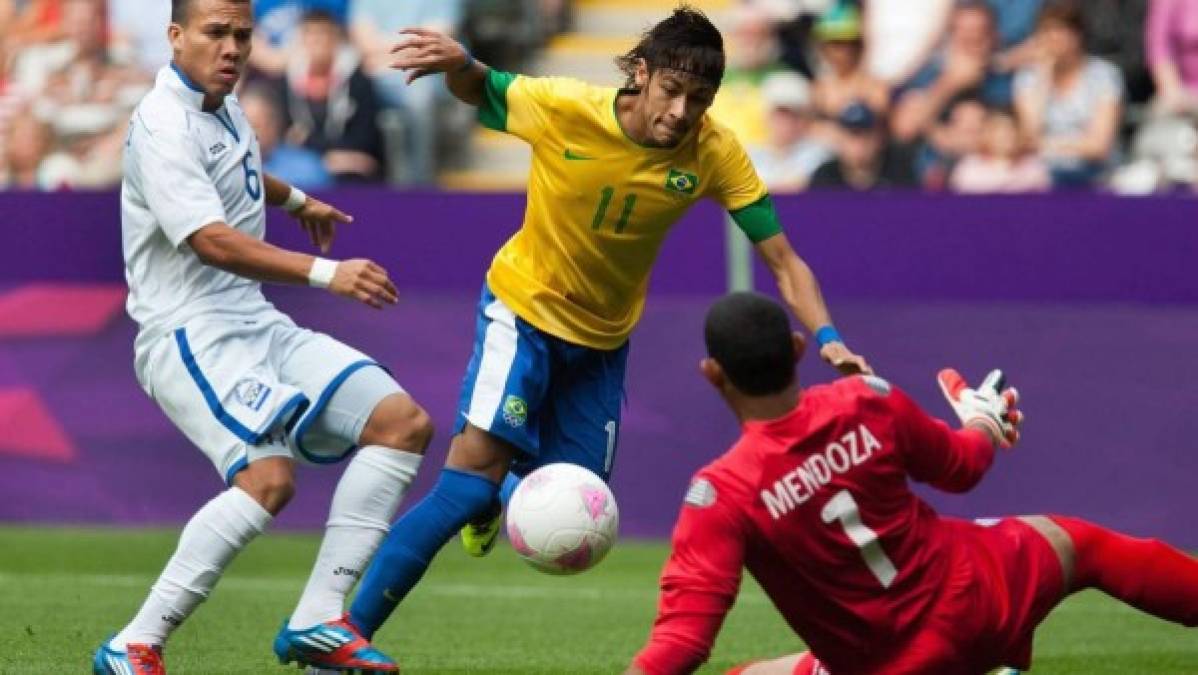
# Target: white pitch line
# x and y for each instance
(442, 589)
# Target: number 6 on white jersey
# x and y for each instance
(843, 507)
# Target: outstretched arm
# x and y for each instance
(800, 290)
(424, 52)
(955, 460)
(232, 250)
(317, 218)
(698, 586)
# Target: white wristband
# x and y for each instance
(295, 200)
(321, 274)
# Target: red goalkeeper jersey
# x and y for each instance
(817, 506)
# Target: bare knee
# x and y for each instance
(270, 481)
(398, 422)
(479, 452)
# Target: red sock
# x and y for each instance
(1147, 574)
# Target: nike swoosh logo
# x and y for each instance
(570, 155)
(387, 594)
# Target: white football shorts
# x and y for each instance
(244, 389)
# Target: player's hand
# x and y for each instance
(423, 51)
(320, 221)
(364, 281)
(839, 357)
(990, 407)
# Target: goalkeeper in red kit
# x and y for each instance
(814, 501)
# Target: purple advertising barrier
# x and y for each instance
(1059, 247)
(1108, 381)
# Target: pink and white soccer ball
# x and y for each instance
(562, 519)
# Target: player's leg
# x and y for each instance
(502, 390)
(582, 414)
(1147, 574)
(467, 486)
(392, 432)
(370, 410)
(209, 542)
(218, 398)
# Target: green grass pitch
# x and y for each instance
(63, 590)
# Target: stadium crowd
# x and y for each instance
(966, 95)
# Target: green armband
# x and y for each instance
(759, 221)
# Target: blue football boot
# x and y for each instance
(333, 645)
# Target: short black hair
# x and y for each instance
(181, 8)
(685, 41)
(748, 334)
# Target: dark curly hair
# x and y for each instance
(685, 41)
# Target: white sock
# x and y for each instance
(210, 540)
(364, 505)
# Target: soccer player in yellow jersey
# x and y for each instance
(612, 171)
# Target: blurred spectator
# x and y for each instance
(373, 27)
(291, 163)
(1015, 21)
(1171, 35)
(790, 154)
(901, 35)
(1002, 163)
(331, 106)
(1069, 102)
(554, 16)
(11, 98)
(8, 19)
(1164, 157)
(26, 146)
(276, 25)
(863, 162)
(753, 54)
(964, 67)
(842, 79)
(85, 95)
(37, 22)
(793, 21)
(137, 33)
(1114, 31)
(957, 135)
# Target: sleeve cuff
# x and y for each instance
(492, 111)
(178, 237)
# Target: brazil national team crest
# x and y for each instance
(681, 181)
(515, 411)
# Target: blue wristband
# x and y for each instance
(467, 65)
(827, 334)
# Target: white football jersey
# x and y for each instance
(183, 169)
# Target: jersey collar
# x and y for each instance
(172, 77)
(768, 427)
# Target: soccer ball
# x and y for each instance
(562, 519)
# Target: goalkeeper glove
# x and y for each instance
(990, 407)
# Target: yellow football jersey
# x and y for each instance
(600, 205)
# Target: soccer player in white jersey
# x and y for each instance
(247, 386)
